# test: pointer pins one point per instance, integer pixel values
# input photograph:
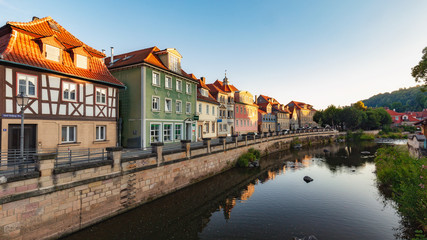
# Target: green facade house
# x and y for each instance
(159, 102)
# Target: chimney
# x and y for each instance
(103, 51)
(112, 55)
(256, 100)
(35, 18)
(203, 80)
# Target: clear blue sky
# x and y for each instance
(319, 52)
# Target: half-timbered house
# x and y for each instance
(73, 97)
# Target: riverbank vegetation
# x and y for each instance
(251, 156)
(405, 178)
(359, 136)
(356, 116)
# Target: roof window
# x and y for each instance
(53, 26)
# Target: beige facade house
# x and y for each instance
(72, 95)
(304, 112)
(207, 111)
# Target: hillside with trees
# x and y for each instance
(402, 100)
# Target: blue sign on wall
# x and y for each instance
(6, 115)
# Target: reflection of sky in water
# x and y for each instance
(339, 204)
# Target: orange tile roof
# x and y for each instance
(225, 87)
(21, 43)
(213, 88)
(147, 55)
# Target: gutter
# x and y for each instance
(59, 73)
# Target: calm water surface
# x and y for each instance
(272, 202)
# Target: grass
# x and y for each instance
(406, 178)
(246, 158)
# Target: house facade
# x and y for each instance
(266, 119)
(160, 100)
(224, 92)
(246, 113)
(282, 114)
(305, 113)
(73, 98)
(207, 111)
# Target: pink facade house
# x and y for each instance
(245, 113)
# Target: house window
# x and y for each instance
(188, 108)
(213, 111)
(225, 127)
(101, 94)
(81, 61)
(178, 106)
(207, 109)
(155, 133)
(27, 85)
(52, 53)
(155, 104)
(168, 83)
(188, 88)
(174, 63)
(179, 85)
(397, 118)
(237, 122)
(178, 131)
(204, 92)
(237, 109)
(156, 79)
(69, 91)
(68, 134)
(167, 132)
(100, 132)
(200, 108)
(213, 127)
(206, 127)
(168, 105)
(220, 127)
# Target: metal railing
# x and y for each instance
(12, 163)
(72, 157)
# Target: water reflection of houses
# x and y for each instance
(230, 202)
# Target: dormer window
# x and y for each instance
(81, 61)
(52, 53)
(204, 92)
(174, 63)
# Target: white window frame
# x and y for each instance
(200, 108)
(179, 85)
(158, 103)
(100, 133)
(187, 104)
(159, 131)
(188, 88)
(168, 79)
(52, 53)
(207, 109)
(67, 86)
(213, 127)
(171, 133)
(81, 61)
(178, 109)
(27, 78)
(166, 105)
(181, 128)
(213, 110)
(67, 132)
(101, 90)
(157, 84)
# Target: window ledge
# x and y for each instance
(100, 141)
(69, 144)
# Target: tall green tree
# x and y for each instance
(419, 72)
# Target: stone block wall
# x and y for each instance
(63, 200)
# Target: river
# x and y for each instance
(270, 202)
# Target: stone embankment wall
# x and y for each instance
(54, 201)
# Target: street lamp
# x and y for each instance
(22, 101)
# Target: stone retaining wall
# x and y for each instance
(63, 200)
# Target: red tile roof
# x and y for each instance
(299, 105)
(395, 114)
(22, 43)
(200, 97)
(147, 55)
(225, 87)
(214, 89)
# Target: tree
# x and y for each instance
(385, 118)
(419, 72)
(360, 105)
(352, 118)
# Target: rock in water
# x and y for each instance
(307, 179)
(325, 150)
(3, 179)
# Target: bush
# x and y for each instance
(246, 158)
(257, 153)
(406, 178)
